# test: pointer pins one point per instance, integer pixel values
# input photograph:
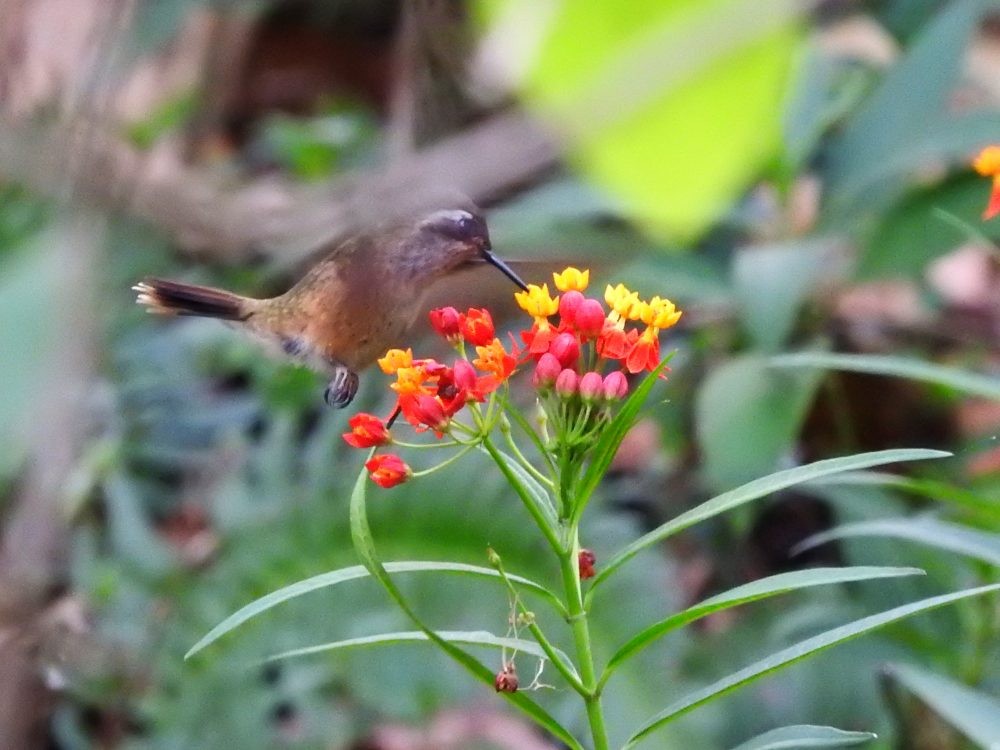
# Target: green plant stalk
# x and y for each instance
(569, 566)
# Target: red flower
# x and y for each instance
(568, 305)
(613, 343)
(424, 411)
(546, 371)
(446, 321)
(367, 431)
(388, 470)
(477, 326)
(645, 354)
(586, 560)
(538, 338)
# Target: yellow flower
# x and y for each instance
(623, 303)
(395, 359)
(410, 380)
(659, 313)
(572, 279)
(537, 302)
(987, 163)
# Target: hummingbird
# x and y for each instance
(354, 304)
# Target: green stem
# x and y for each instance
(536, 512)
(569, 565)
(528, 466)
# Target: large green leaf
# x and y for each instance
(795, 653)
(980, 545)
(766, 587)
(877, 364)
(805, 736)
(895, 130)
(671, 105)
(974, 713)
(747, 416)
(757, 489)
(463, 637)
(335, 577)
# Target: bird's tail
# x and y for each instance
(177, 298)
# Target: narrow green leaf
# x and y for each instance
(803, 736)
(877, 364)
(464, 637)
(612, 435)
(760, 488)
(334, 577)
(932, 489)
(541, 498)
(980, 545)
(796, 653)
(974, 713)
(749, 592)
(364, 545)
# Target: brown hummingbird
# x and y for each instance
(353, 305)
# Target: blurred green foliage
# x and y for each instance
(216, 476)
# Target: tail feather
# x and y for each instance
(177, 298)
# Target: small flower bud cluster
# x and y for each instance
(581, 359)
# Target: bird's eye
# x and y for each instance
(458, 225)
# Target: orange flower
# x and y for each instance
(494, 359)
(367, 431)
(645, 354)
(388, 470)
(410, 381)
(987, 163)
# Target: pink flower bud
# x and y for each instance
(464, 374)
(546, 371)
(566, 348)
(566, 383)
(615, 385)
(568, 304)
(589, 318)
(591, 386)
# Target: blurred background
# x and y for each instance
(794, 175)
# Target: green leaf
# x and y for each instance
(364, 545)
(805, 736)
(612, 435)
(747, 416)
(672, 106)
(334, 577)
(877, 364)
(894, 129)
(980, 545)
(974, 713)
(784, 275)
(750, 592)
(925, 226)
(761, 488)
(932, 489)
(796, 653)
(464, 637)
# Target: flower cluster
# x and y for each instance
(430, 393)
(583, 352)
(987, 163)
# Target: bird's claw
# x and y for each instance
(341, 389)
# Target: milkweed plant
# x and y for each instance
(591, 364)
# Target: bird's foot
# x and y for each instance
(341, 389)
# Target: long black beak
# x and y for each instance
(507, 271)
